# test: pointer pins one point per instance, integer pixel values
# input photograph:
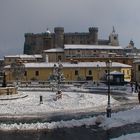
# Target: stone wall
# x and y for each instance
(8, 90)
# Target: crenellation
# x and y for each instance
(59, 38)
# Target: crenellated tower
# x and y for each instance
(59, 37)
(93, 35)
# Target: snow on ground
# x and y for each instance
(134, 136)
(122, 118)
(70, 101)
(117, 119)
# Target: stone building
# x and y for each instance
(36, 43)
(9, 59)
(87, 53)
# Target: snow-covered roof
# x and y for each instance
(23, 56)
(137, 61)
(116, 73)
(105, 47)
(73, 65)
(54, 50)
(48, 32)
(38, 56)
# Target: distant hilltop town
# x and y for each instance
(36, 43)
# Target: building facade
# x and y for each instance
(81, 71)
(136, 71)
(88, 53)
(9, 59)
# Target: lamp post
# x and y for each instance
(108, 109)
(4, 84)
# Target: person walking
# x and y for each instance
(136, 87)
(139, 96)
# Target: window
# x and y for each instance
(106, 71)
(138, 67)
(115, 37)
(128, 72)
(59, 57)
(37, 73)
(76, 72)
(123, 61)
(25, 73)
(90, 72)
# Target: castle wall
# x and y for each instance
(36, 43)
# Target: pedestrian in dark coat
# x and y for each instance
(136, 86)
(139, 96)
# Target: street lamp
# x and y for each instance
(108, 109)
(4, 84)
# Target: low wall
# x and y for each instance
(8, 90)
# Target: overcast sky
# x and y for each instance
(35, 16)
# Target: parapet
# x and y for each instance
(93, 29)
(58, 29)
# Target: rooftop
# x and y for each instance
(54, 50)
(97, 47)
(23, 56)
(74, 65)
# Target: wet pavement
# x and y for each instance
(76, 133)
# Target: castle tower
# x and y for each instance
(59, 37)
(93, 35)
(28, 44)
(47, 40)
(113, 38)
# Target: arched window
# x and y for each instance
(90, 72)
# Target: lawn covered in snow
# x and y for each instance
(71, 101)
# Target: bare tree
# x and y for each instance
(18, 70)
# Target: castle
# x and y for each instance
(36, 43)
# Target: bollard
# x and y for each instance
(139, 97)
(108, 112)
(41, 99)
